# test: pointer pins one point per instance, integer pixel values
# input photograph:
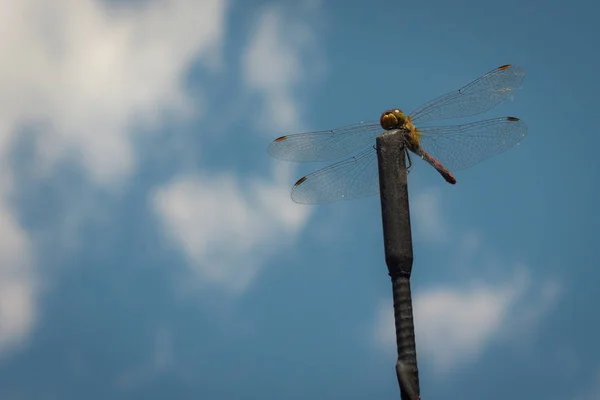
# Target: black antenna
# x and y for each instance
(397, 241)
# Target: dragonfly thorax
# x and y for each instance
(395, 119)
(392, 119)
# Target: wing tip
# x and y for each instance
(300, 181)
(272, 149)
(523, 124)
(515, 69)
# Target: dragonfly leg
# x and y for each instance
(408, 168)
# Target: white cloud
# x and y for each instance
(83, 74)
(272, 66)
(227, 226)
(17, 286)
(454, 324)
(226, 231)
(428, 222)
(17, 283)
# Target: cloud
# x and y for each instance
(84, 76)
(425, 210)
(17, 286)
(455, 323)
(226, 232)
(227, 226)
(272, 65)
(86, 72)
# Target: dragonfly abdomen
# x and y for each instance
(438, 167)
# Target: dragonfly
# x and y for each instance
(445, 148)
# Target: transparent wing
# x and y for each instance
(325, 145)
(477, 97)
(462, 146)
(349, 179)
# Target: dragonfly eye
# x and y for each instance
(392, 119)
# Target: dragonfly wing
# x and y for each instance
(477, 97)
(348, 179)
(462, 146)
(325, 145)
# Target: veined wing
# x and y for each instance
(477, 97)
(355, 177)
(325, 145)
(461, 146)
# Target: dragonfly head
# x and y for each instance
(392, 119)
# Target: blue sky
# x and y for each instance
(149, 247)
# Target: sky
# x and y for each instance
(149, 248)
